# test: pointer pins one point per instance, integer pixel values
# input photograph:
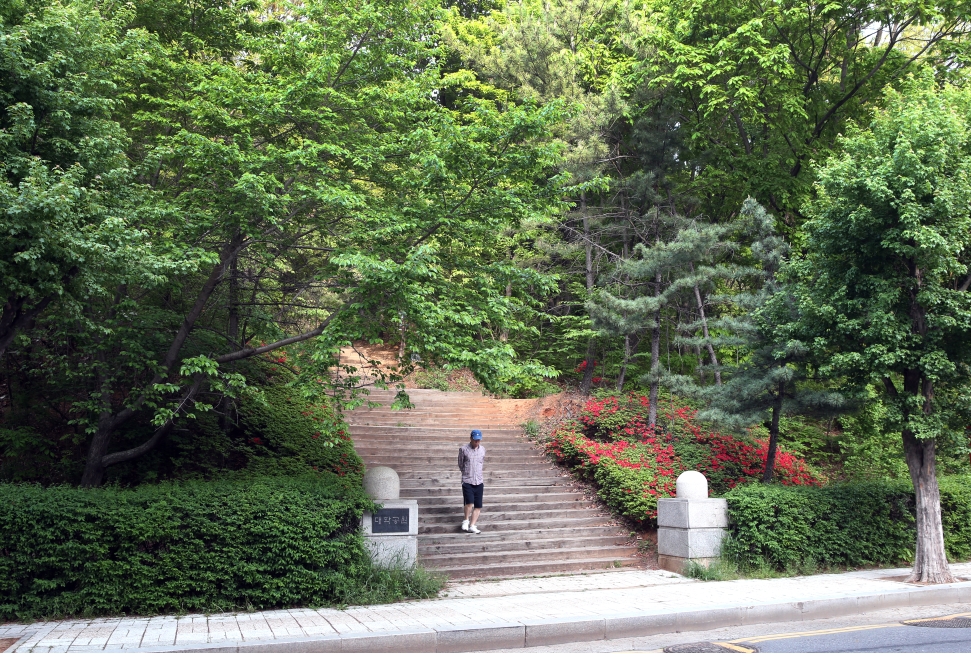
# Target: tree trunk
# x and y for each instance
(655, 358)
(701, 365)
(401, 331)
(226, 404)
(591, 345)
(704, 330)
(774, 434)
(590, 361)
(623, 365)
(94, 469)
(504, 332)
(930, 560)
(94, 465)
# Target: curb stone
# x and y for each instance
(530, 633)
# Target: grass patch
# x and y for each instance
(385, 585)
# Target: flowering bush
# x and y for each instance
(634, 464)
(631, 475)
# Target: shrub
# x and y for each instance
(195, 546)
(634, 464)
(956, 515)
(852, 524)
(285, 434)
(631, 476)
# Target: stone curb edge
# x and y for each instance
(531, 633)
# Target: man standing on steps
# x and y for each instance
(471, 456)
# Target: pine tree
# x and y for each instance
(773, 379)
(683, 257)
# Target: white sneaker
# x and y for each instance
(465, 525)
(473, 530)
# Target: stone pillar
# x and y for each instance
(391, 532)
(691, 526)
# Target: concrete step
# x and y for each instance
(448, 449)
(503, 570)
(489, 472)
(430, 469)
(449, 456)
(434, 433)
(502, 538)
(493, 515)
(421, 447)
(488, 430)
(477, 544)
(534, 522)
(488, 475)
(454, 509)
(429, 503)
(525, 556)
(492, 485)
(420, 492)
(452, 414)
(515, 525)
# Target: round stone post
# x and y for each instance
(691, 526)
(391, 532)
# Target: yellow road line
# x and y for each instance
(943, 617)
(736, 648)
(820, 632)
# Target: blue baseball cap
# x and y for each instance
(476, 435)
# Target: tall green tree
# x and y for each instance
(294, 164)
(762, 88)
(564, 52)
(66, 188)
(886, 274)
(772, 379)
(682, 260)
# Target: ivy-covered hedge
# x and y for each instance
(844, 525)
(195, 546)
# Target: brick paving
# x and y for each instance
(467, 604)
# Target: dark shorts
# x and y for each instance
(472, 494)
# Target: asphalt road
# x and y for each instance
(878, 631)
(878, 639)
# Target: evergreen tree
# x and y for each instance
(773, 379)
(683, 257)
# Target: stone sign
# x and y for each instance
(390, 521)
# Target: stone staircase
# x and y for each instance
(533, 521)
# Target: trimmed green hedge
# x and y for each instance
(195, 546)
(842, 525)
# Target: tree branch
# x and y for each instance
(248, 352)
(135, 452)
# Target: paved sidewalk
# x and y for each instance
(503, 614)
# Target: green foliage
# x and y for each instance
(838, 525)
(627, 490)
(887, 254)
(842, 525)
(285, 434)
(717, 570)
(432, 378)
(66, 192)
(197, 546)
(956, 516)
(757, 95)
(870, 447)
(380, 585)
(633, 465)
(531, 428)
